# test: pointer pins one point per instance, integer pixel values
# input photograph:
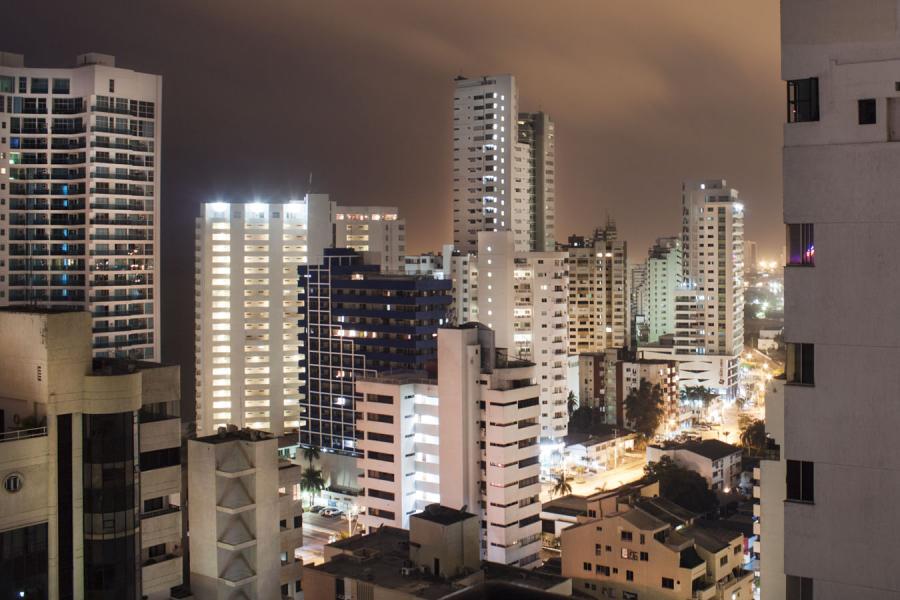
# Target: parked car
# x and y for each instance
(317, 508)
(332, 512)
(325, 509)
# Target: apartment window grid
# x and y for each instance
(115, 248)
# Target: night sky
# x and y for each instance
(259, 94)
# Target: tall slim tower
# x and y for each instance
(709, 305)
(80, 197)
(503, 166)
(842, 67)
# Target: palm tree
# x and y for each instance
(311, 480)
(561, 487)
(310, 454)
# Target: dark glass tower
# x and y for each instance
(359, 322)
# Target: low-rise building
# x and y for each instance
(605, 447)
(719, 463)
(246, 518)
(652, 549)
(437, 557)
(90, 505)
(770, 490)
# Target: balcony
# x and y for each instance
(161, 573)
(23, 434)
(161, 526)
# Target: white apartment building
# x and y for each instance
(664, 274)
(468, 439)
(398, 438)
(247, 314)
(598, 295)
(841, 65)
(90, 504)
(461, 269)
(489, 457)
(523, 298)
(503, 173)
(375, 229)
(638, 308)
(246, 518)
(769, 490)
(709, 304)
(79, 196)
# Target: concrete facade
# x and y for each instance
(503, 166)
(523, 299)
(375, 229)
(65, 418)
(598, 291)
(247, 313)
(840, 178)
(245, 519)
(92, 211)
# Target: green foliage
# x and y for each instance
(561, 487)
(644, 409)
(571, 403)
(753, 437)
(694, 393)
(310, 454)
(312, 481)
(682, 486)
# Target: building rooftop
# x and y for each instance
(378, 558)
(602, 433)
(41, 310)
(443, 515)
(665, 510)
(569, 505)
(711, 538)
(711, 449)
(233, 434)
(690, 558)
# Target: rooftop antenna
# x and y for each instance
(310, 182)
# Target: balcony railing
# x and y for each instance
(23, 434)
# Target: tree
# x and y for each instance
(682, 486)
(583, 419)
(310, 454)
(753, 437)
(571, 403)
(644, 409)
(311, 480)
(561, 487)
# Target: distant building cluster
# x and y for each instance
(428, 401)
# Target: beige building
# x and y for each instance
(719, 463)
(599, 302)
(439, 556)
(246, 517)
(652, 549)
(375, 229)
(89, 463)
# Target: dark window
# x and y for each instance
(723, 561)
(64, 503)
(603, 570)
(800, 481)
(60, 86)
(586, 566)
(157, 550)
(867, 111)
(380, 456)
(643, 539)
(158, 459)
(668, 583)
(153, 504)
(801, 244)
(380, 437)
(799, 588)
(629, 575)
(645, 556)
(39, 85)
(801, 364)
(626, 536)
(298, 522)
(112, 85)
(379, 494)
(282, 524)
(803, 100)
(23, 562)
